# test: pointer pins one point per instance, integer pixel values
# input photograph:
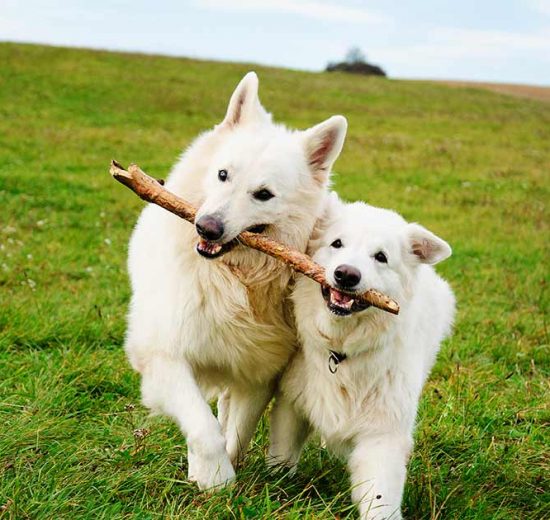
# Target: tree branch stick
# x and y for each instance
(151, 190)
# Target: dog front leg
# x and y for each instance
(289, 431)
(245, 408)
(168, 386)
(378, 470)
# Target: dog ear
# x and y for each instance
(425, 247)
(323, 143)
(244, 105)
(332, 207)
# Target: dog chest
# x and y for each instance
(238, 336)
(364, 395)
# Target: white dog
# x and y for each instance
(358, 377)
(207, 317)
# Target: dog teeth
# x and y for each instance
(347, 305)
(341, 300)
(209, 247)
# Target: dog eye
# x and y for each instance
(337, 244)
(263, 195)
(222, 175)
(381, 257)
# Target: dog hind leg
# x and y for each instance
(246, 408)
(223, 405)
(289, 432)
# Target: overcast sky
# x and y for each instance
(486, 40)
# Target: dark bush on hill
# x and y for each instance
(356, 63)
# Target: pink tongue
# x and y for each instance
(339, 297)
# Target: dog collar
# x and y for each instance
(334, 359)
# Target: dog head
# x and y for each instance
(262, 177)
(362, 247)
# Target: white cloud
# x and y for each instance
(493, 42)
(542, 6)
(308, 8)
(447, 45)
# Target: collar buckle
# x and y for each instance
(334, 359)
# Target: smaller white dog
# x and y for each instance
(358, 377)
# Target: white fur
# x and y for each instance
(366, 410)
(198, 328)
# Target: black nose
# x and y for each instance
(347, 276)
(209, 227)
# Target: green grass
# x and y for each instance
(469, 164)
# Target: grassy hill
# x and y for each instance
(525, 91)
(472, 165)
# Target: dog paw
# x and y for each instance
(210, 473)
(191, 463)
(283, 465)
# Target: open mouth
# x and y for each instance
(342, 303)
(212, 250)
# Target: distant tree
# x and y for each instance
(355, 62)
(355, 55)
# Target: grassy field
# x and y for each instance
(472, 165)
(524, 91)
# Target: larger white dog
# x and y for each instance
(358, 377)
(204, 327)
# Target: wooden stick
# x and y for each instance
(153, 191)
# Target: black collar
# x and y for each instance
(334, 359)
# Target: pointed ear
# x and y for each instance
(332, 207)
(323, 143)
(244, 105)
(425, 247)
(333, 203)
